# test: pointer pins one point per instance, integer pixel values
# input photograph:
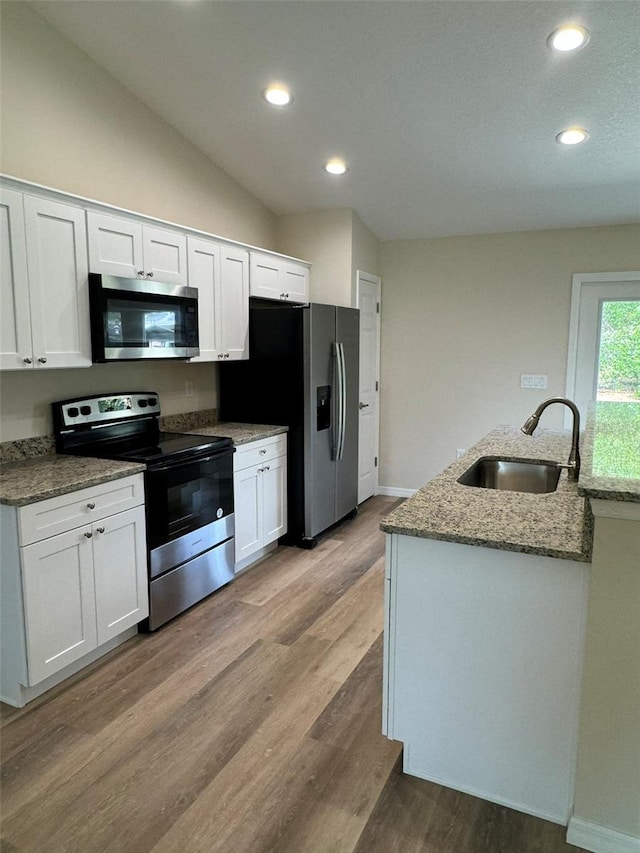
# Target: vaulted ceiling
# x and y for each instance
(446, 112)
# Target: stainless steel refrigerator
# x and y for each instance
(303, 372)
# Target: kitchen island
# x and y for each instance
(486, 612)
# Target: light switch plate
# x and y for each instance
(533, 381)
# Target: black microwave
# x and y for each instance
(134, 318)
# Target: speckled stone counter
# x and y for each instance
(611, 452)
(557, 524)
(43, 477)
(240, 433)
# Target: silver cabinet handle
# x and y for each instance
(149, 275)
(42, 360)
(226, 355)
(286, 296)
(91, 506)
(266, 468)
(363, 405)
(27, 360)
(140, 272)
(100, 529)
(89, 534)
(262, 452)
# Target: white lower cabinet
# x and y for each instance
(482, 670)
(260, 496)
(70, 594)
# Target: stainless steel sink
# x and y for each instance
(491, 472)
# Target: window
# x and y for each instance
(604, 338)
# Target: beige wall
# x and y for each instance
(25, 395)
(462, 318)
(338, 243)
(69, 125)
(324, 238)
(364, 251)
(607, 789)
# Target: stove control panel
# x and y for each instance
(105, 408)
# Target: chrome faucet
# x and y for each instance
(531, 423)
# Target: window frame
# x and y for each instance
(576, 332)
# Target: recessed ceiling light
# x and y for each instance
(277, 95)
(335, 166)
(567, 38)
(572, 136)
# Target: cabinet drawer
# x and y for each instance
(255, 452)
(56, 515)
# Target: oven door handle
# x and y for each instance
(182, 463)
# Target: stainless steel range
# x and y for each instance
(188, 492)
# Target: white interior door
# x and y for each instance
(368, 301)
(593, 294)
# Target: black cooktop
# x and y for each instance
(170, 445)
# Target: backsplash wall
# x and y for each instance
(25, 395)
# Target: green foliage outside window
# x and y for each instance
(619, 363)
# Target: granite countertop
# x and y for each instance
(611, 452)
(557, 524)
(36, 479)
(240, 433)
(30, 471)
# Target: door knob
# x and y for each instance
(363, 406)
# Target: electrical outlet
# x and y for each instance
(533, 381)
(188, 389)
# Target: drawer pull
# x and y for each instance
(266, 468)
(100, 529)
(89, 534)
(91, 506)
(262, 452)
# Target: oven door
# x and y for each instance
(183, 497)
(138, 319)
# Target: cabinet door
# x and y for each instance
(115, 245)
(265, 276)
(58, 283)
(59, 602)
(274, 499)
(247, 487)
(15, 318)
(204, 273)
(120, 571)
(234, 303)
(295, 282)
(165, 255)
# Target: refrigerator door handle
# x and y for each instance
(342, 397)
(337, 417)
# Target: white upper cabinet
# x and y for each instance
(234, 303)
(125, 247)
(45, 300)
(115, 245)
(273, 277)
(221, 275)
(15, 316)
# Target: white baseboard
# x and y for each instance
(394, 492)
(600, 839)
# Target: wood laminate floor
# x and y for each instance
(251, 724)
